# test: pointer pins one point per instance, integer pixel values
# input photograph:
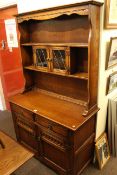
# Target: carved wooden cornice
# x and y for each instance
(53, 14)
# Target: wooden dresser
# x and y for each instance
(55, 116)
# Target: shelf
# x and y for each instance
(56, 44)
(80, 75)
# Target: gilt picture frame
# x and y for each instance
(110, 14)
(102, 150)
(111, 83)
(112, 53)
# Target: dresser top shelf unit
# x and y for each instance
(60, 50)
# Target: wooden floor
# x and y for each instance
(34, 167)
(12, 154)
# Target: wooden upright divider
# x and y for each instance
(55, 116)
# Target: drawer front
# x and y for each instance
(52, 126)
(24, 112)
(26, 125)
(58, 142)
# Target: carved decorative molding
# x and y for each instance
(25, 126)
(62, 97)
(53, 14)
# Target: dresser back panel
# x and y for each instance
(65, 28)
(71, 87)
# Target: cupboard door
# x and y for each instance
(27, 139)
(40, 56)
(26, 132)
(53, 149)
(60, 59)
(54, 154)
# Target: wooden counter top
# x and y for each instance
(60, 111)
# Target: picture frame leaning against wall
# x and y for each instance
(111, 83)
(112, 53)
(102, 150)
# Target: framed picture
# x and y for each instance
(112, 53)
(111, 14)
(102, 150)
(111, 83)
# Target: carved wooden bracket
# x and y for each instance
(87, 111)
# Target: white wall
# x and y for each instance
(5, 3)
(30, 5)
(103, 75)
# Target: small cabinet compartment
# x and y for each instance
(67, 60)
(41, 57)
(60, 59)
(79, 61)
(51, 59)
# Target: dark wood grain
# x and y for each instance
(56, 115)
(70, 114)
(60, 30)
(93, 56)
(75, 88)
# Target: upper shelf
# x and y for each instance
(56, 44)
(79, 75)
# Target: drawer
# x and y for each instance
(23, 112)
(60, 143)
(26, 125)
(51, 126)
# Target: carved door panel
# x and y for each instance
(53, 150)
(60, 59)
(41, 57)
(26, 132)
